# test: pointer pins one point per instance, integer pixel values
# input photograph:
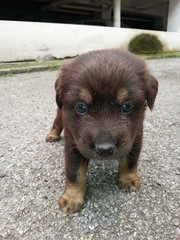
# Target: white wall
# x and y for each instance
(28, 40)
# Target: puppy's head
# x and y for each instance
(104, 95)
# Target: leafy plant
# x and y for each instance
(145, 43)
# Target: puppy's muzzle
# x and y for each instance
(105, 148)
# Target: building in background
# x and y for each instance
(161, 15)
(29, 29)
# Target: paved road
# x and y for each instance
(32, 171)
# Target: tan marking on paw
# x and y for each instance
(129, 182)
(70, 202)
(53, 136)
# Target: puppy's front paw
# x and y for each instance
(71, 203)
(52, 138)
(129, 183)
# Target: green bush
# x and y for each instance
(145, 43)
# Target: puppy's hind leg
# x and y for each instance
(56, 129)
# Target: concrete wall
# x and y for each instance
(28, 40)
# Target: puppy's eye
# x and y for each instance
(81, 108)
(127, 107)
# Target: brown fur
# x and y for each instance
(115, 87)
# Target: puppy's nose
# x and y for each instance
(105, 148)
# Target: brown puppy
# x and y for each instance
(101, 98)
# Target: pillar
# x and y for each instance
(117, 13)
(173, 23)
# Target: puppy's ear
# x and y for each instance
(151, 90)
(59, 102)
(58, 92)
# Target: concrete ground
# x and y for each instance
(32, 171)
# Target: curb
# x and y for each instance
(28, 69)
